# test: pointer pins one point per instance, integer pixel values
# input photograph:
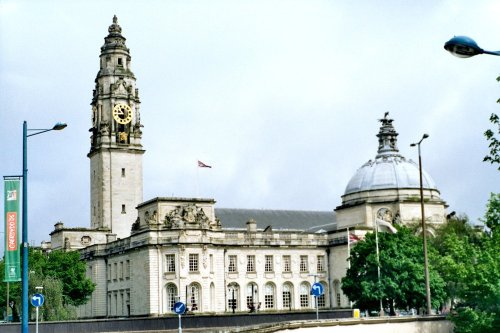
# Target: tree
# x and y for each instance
(494, 154)
(62, 276)
(469, 260)
(402, 283)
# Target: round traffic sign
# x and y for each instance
(317, 289)
(179, 308)
(37, 300)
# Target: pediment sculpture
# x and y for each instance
(189, 216)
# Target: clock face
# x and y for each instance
(122, 113)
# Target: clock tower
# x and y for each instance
(115, 148)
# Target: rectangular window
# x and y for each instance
(109, 272)
(121, 270)
(123, 209)
(287, 264)
(211, 263)
(233, 263)
(127, 269)
(321, 264)
(286, 299)
(115, 273)
(250, 263)
(269, 266)
(193, 262)
(123, 172)
(269, 301)
(304, 300)
(170, 263)
(303, 264)
(321, 301)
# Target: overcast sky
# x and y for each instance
(280, 97)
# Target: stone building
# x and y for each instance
(145, 256)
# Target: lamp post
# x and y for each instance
(25, 299)
(424, 232)
(465, 47)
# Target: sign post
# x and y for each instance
(179, 308)
(37, 301)
(317, 290)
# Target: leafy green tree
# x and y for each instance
(469, 260)
(70, 270)
(62, 276)
(402, 283)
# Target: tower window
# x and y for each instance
(123, 172)
(120, 61)
(123, 209)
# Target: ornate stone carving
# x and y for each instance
(385, 214)
(189, 216)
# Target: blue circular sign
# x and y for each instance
(37, 300)
(317, 289)
(179, 308)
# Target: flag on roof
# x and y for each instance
(203, 165)
(353, 238)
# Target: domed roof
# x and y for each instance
(389, 170)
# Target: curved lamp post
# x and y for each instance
(25, 298)
(424, 231)
(465, 47)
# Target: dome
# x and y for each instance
(389, 170)
(386, 173)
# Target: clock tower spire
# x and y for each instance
(115, 145)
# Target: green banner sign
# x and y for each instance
(12, 221)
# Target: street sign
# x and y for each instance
(37, 300)
(179, 308)
(317, 289)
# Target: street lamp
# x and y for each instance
(424, 232)
(465, 47)
(25, 299)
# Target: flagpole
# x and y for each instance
(378, 264)
(197, 179)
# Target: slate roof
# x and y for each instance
(278, 219)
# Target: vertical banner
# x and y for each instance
(12, 221)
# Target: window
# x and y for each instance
(321, 264)
(233, 263)
(211, 263)
(287, 296)
(109, 272)
(123, 172)
(233, 296)
(286, 264)
(252, 296)
(304, 295)
(303, 264)
(269, 296)
(193, 262)
(269, 267)
(250, 263)
(171, 296)
(321, 301)
(127, 269)
(123, 209)
(121, 270)
(170, 263)
(194, 297)
(115, 273)
(336, 289)
(120, 61)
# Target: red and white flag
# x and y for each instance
(203, 165)
(353, 238)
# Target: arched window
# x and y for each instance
(287, 296)
(171, 293)
(269, 299)
(233, 297)
(194, 297)
(305, 290)
(322, 298)
(336, 289)
(252, 296)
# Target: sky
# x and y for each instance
(282, 98)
